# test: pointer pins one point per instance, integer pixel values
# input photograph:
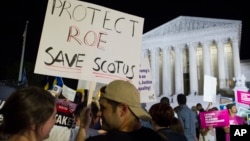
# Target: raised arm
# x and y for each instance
(85, 120)
(209, 105)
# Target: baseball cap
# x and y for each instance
(124, 92)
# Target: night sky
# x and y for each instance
(16, 13)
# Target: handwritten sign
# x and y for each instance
(85, 41)
(214, 118)
(146, 88)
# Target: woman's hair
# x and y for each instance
(78, 109)
(162, 114)
(28, 106)
(95, 108)
(176, 126)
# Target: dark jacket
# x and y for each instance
(170, 135)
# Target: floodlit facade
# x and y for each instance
(185, 49)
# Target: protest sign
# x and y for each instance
(214, 118)
(85, 41)
(209, 91)
(243, 97)
(64, 114)
(146, 87)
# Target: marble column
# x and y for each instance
(221, 63)
(166, 74)
(206, 57)
(236, 56)
(178, 70)
(155, 67)
(145, 53)
(193, 67)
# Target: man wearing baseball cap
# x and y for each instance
(121, 112)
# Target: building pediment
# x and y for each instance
(186, 24)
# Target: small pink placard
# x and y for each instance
(214, 118)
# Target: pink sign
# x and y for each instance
(243, 97)
(214, 118)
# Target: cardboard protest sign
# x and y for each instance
(146, 87)
(214, 118)
(85, 41)
(243, 97)
(209, 91)
(68, 93)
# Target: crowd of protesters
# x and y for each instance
(29, 114)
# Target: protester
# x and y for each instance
(197, 125)
(92, 130)
(208, 133)
(28, 115)
(121, 112)
(176, 125)
(187, 118)
(220, 133)
(165, 100)
(146, 123)
(233, 119)
(199, 107)
(165, 123)
(204, 134)
(61, 133)
(64, 120)
(68, 120)
(96, 115)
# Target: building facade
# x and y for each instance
(184, 50)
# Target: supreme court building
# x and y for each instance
(185, 49)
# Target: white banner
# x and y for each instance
(146, 87)
(85, 41)
(209, 91)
